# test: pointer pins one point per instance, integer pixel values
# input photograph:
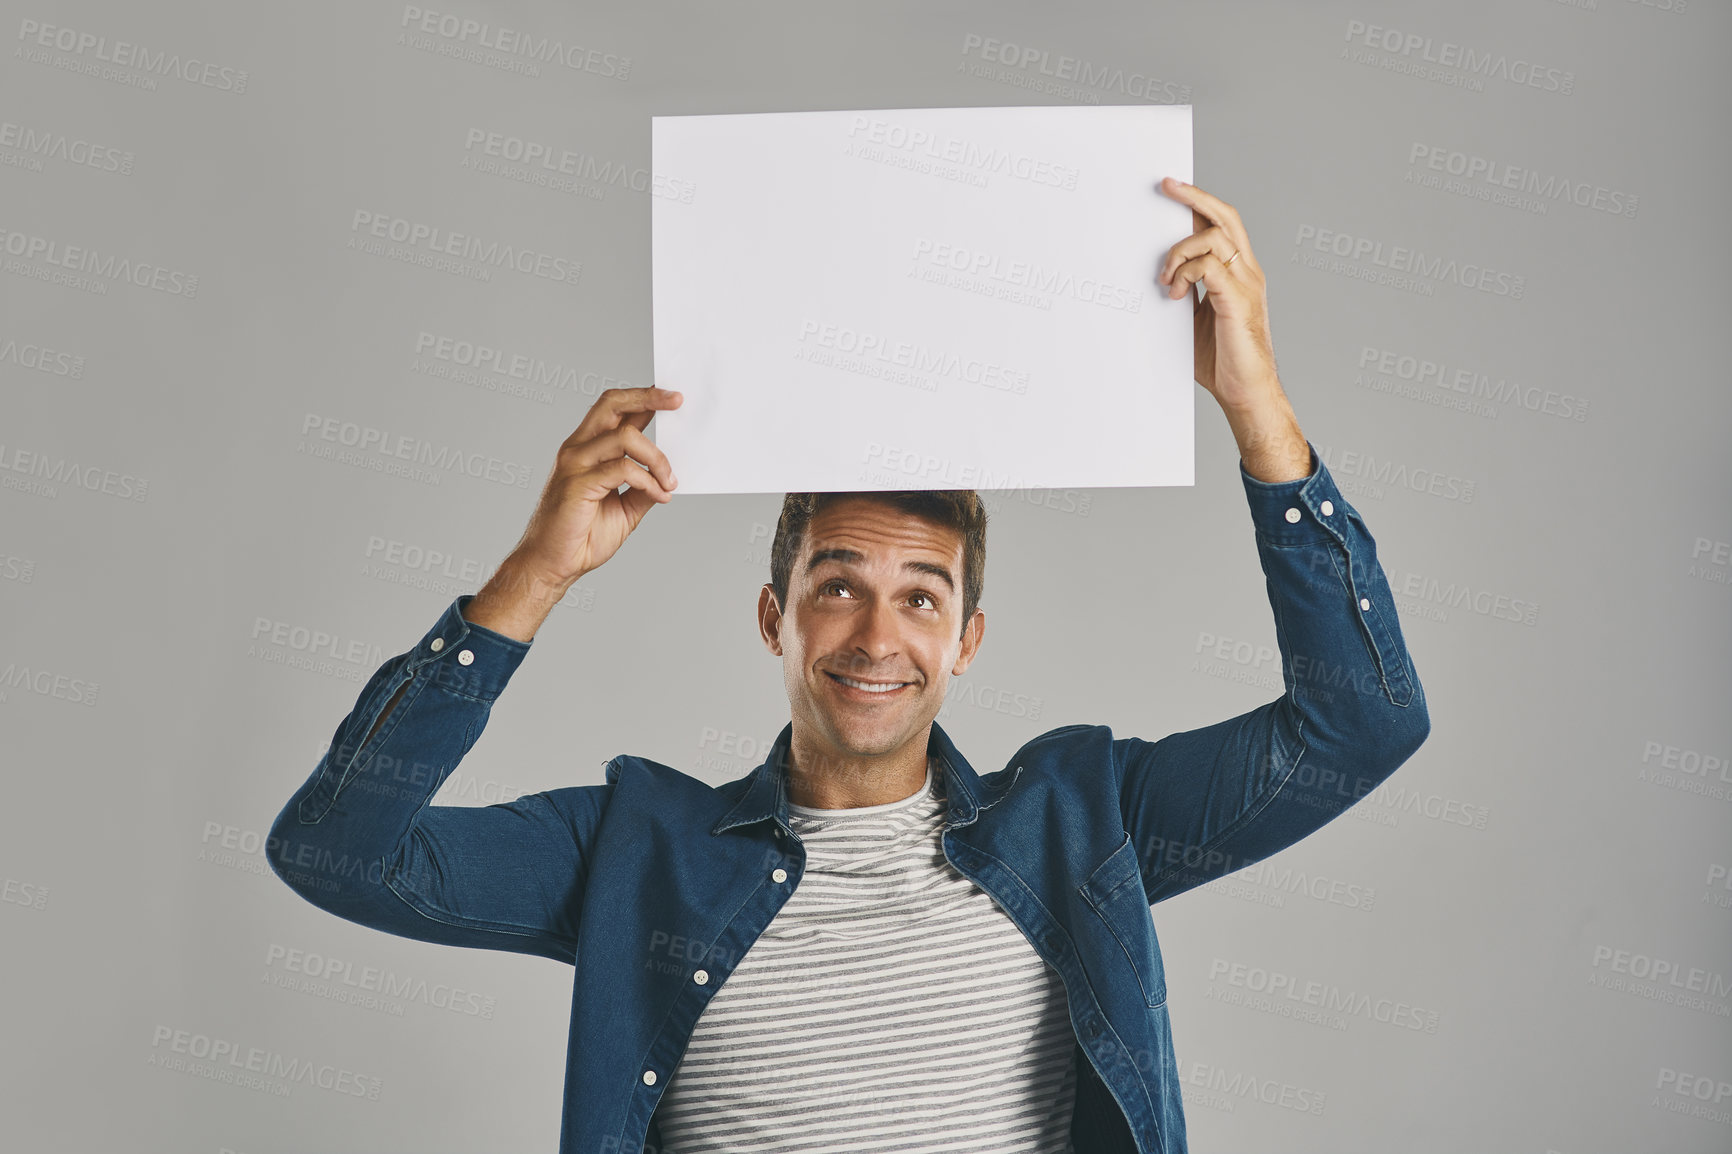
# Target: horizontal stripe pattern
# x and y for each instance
(890, 1005)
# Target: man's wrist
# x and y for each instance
(516, 599)
(1271, 445)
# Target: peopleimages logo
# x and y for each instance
(895, 139)
(891, 465)
(1063, 71)
(95, 269)
(1432, 598)
(510, 42)
(1322, 1003)
(341, 980)
(1718, 556)
(419, 456)
(22, 893)
(1234, 1086)
(1368, 474)
(1428, 58)
(46, 473)
(1288, 881)
(1422, 378)
(426, 244)
(1679, 1092)
(1401, 267)
(39, 359)
(304, 639)
(1661, 979)
(254, 1067)
(1686, 770)
(922, 360)
(47, 144)
(1020, 281)
(88, 46)
(1482, 178)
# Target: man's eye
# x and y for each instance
(829, 585)
(925, 597)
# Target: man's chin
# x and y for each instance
(857, 736)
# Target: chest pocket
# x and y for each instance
(1115, 891)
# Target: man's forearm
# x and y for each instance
(515, 601)
(1270, 443)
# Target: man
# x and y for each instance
(863, 944)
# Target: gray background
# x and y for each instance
(1544, 876)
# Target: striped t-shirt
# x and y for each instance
(890, 1005)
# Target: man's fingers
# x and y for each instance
(636, 503)
(613, 406)
(648, 454)
(1218, 211)
(1207, 269)
(1213, 240)
(611, 474)
(627, 439)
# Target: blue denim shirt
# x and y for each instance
(654, 884)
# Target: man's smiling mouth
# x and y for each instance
(879, 687)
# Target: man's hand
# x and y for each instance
(1235, 359)
(582, 519)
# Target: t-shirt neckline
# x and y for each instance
(915, 798)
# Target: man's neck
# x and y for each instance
(823, 779)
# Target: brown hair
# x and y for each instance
(958, 509)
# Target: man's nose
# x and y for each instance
(876, 635)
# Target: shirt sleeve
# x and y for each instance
(1203, 803)
(359, 839)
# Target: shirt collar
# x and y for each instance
(766, 795)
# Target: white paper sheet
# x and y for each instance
(925, 298)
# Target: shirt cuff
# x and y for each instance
(465, 657)
(1304, 511)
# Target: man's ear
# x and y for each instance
(770, 619)
(972, 636)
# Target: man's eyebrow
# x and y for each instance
(854, 557)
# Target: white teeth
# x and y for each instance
(870, 688)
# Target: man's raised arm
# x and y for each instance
(360, 840)
(1203, 803)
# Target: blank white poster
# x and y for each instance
(921, 298)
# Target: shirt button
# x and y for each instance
(438, 644)
(1328, 507)
(779, 875)
(649, 1077)
(1365, 603)
(1292, 516)
(702, 977)
(464, 657)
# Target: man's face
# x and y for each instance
(875, 596)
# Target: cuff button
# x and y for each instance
(1292, 516)
(464, 657)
